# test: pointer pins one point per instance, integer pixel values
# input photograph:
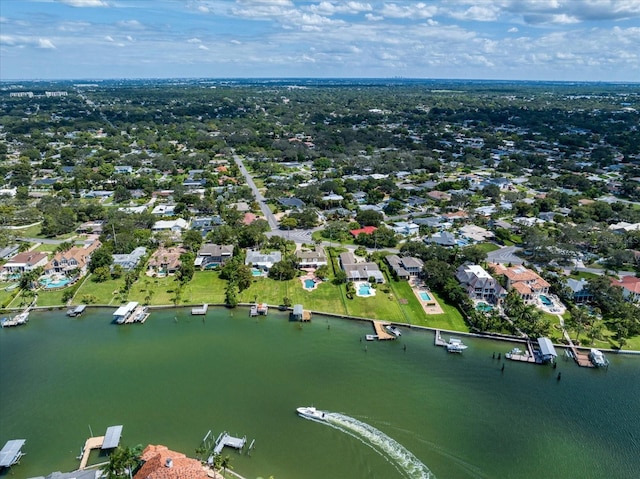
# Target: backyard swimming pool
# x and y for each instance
(309, 284)
(546, 301)
(58, 283)
(424, 296)
(364, 290)
(256, 272)
(484, 307)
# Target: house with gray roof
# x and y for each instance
(212, 255)
(261, 260)
(479, 284)
(359, 271)
(580, 289)
(311, 258)
(405, 266)
(129, 261)
(442, 238)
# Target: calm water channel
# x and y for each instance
(410, 413)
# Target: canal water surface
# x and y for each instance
(399, 409)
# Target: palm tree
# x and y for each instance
(225, 463)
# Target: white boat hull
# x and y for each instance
(311, 413)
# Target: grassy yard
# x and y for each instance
(205, 287)
(6, 296)
(451, 318)
(413, 311)
(155, 290)
(487, 247)
(103, 293)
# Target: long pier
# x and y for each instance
(438, 341)
(581, 359)
(529, 355)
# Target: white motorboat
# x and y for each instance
(514, 352)
(391, 329)
(598, 359)
(456, 345)
(311, 413)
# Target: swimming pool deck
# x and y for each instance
(430, 306)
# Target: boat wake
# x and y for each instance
(403, 460)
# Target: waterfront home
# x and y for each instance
(262, 261)
(165, 261)
(406, 228)
(359, 271)
(176, 226)
(311, 258)
(160, 462)
(211, 255)
(581, 293)
(479, 284)
(404, 266)
(630, 287)
(129, 261)
(527, 283)
(25, 261)
(75, 259)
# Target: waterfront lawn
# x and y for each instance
(205, 287)
(451, 318)
(51, 298)
(6, 296)
(413, 311)
(160, 291)
(381, 306)
(101, 293)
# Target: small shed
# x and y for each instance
(547, 351)
(112, 437)
(11, 452)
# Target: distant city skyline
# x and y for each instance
(538, 40)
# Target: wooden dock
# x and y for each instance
(91, 443)
(139, 315)
(581, 359)
(306, 315)
(381, 332)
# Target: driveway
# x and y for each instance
(505, 255)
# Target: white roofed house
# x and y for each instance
(479, 284)
(176, 226)
(406, 228)
(262, 261)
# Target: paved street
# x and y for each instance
(505, 255)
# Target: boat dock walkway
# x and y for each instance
(225, 439)
(381, 332)
(529, 355)
(139, 315)
(438, 341)
(91, 443)
(200, 311)
(581, 359)
(259, 309)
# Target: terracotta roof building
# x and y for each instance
(367, 230)
(74, 259)
(165, 261)
(526, 282)
(162, 463)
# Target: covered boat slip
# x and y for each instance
(77, 311)
(11, 452)
(547, 351)
(112, 437)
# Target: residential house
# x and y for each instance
(75, 260)
(367, 230)
(212, 255)
(439, 195)
(176, 226)
(262, 261)
(159, 462)
(311, 258)
(359, 271)
(406, 228)
(630, 287)
(91, 227)
(479, 284)
(526, 282)
(581, 293)
(205, 223)
(164, 210)
(129, 261)
(475, 233)
(442, 238)
(9, 251)
(165, 261)
(405, 266)
(25, 261)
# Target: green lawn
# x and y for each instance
(155, 290)
(413, 311)
(451, 318)
(104, 293)
(205, 287)
(487, 247)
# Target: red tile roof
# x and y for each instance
(155, 465)
(367, 230)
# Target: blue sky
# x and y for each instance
(581, 40)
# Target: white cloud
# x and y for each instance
(132, 24)
(109, 38)
(85, 3)
(46, 44)
(478, 13)
(194, 40)
(419, 10)
(513, 30)
(332, 8)
(202, 47)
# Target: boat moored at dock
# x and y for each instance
(17, 320)
(77, 311)
(455, 345)
(393, 330)
(598, 358)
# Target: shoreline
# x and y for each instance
(494, 336)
